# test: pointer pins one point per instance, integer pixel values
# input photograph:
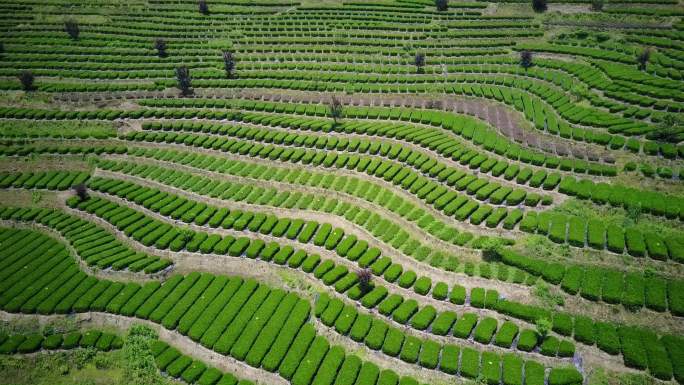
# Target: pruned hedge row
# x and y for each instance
(177, 365)
(652, 202)
(527, 95)
(344, 281)
(202, 214)
(452, 359)
(428, 138)
(579, 232)
(93, 244)
(51, 180)
(65, 130)
(471, 129)
(448, 200)
(357, 187)
(633, 290)
(338, 277)
(65, 147)
(249, 321)
(30, 343)
(466, 127)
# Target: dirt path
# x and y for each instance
(460, 225)
(479, 230)
(414, 230)
(187, 262)
(511, 291)
(412, 227)
(29, 198)
(506, 120)
(558, 198)
(192, 261)
(307, 286)
(45, 163)
(493, 155)
(215, 263)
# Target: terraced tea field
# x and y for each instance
(362, 192)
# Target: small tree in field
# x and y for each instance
(643, 58)
(543, 327)
(634, 211)
(526, 59)
(160, 46)
(442, 5)
(492, 249)
(539, 5)
(71, 28)
(365, 277)
(419, 61)
(203, 7)
(183, 77)
(228, 63)
(81, 191)
(597, 5)
(187, 235)
(670, 129)
(26, 78)
(336, 108)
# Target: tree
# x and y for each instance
(643, 58)
(26, 78)
(160, 46)
(336, 108)
(634, 211)
(670, 120)
(419, 61)
(365, 276)
(526, 59)
(666, 134)
(543, 327)
(669, 130)
(203, 7)
(442, 5)
(138, 361)
(597, 5)
(81, 191)
(71, 27)
(539, 5)
(228, 63)
(183, 77)
(186, 235)
(491, 249)
(579, 91)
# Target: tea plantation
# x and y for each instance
(342, 192)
